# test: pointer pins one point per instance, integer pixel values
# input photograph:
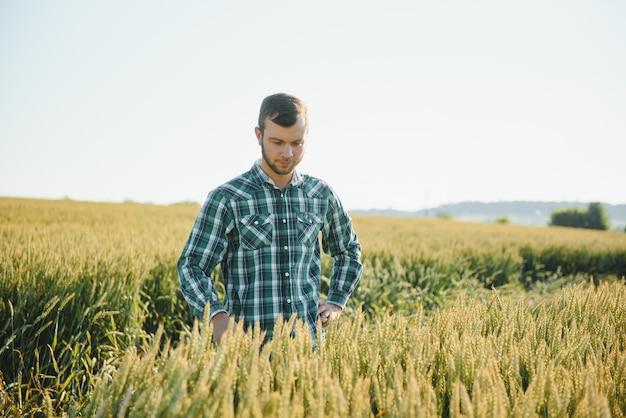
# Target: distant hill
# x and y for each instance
(519, 213)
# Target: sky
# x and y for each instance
(413, 104)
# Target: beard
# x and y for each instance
(276, 169)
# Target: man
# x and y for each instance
(262, 228)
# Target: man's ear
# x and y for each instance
(259, 134)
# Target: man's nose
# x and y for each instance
(287, 151)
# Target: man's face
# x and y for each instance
(282, 148)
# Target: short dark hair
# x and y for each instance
(283, 109)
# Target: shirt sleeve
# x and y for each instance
(340, 241)
(204, 249)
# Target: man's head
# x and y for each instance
(283, 109)
(282, 131)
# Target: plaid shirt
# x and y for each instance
(266, 242)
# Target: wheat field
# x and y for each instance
(450, 319)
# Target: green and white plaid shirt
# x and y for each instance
(266, 241)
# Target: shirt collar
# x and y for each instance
(262, 177)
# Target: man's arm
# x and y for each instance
(205, 248)
(340, 241)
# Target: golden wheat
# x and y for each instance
(92, 323)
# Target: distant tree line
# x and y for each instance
(594, 217)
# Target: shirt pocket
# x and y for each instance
(256, 231)
(309, 226)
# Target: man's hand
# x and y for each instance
(328, 312)
(220, 326)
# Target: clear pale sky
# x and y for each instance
(412, 103)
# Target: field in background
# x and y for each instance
(91, 321)
(526, 213)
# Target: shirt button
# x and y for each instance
(285, 247)
(256, 222)
(284, 221)
(287, 274)
(288, 300)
